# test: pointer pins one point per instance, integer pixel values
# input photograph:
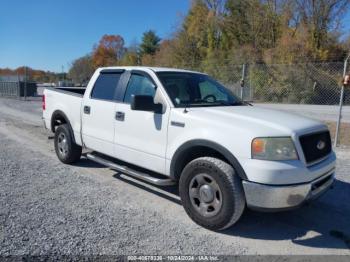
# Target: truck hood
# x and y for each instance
(265, 121)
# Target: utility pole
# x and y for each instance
(63, 75)
(25, 83)
(341, 102)
(243, 80)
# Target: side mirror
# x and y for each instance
(145, 103)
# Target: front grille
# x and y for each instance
(316, 145)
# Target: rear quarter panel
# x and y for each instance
(69, 104)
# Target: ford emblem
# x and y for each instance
(321, 145)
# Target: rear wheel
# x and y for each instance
(66, 150)
(211, 193)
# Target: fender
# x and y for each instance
(212, 145)
(63, 115)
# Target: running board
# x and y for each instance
(128, 171)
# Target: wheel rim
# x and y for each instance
(62, 144)
(205, 195)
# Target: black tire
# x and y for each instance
(227, 188)
(67, 152)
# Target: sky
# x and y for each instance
(50, 34)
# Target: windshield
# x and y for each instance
(196, 90)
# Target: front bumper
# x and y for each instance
(282, 197)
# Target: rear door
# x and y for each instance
(99, 111)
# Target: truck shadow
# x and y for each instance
(169, 193)
(324, 223)
(84, 162)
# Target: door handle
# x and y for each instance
(87, 110)
(120, 116)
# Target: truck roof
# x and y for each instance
(155, 69)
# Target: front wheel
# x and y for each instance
(66, 150)
(211, 193)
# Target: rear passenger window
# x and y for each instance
(105, 86)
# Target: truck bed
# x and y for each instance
(69, 90)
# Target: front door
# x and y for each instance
(141, 136)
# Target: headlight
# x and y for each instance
(273, 148)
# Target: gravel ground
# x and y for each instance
(48, 208)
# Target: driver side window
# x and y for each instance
(139, 85)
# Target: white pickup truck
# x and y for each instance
(169, 126)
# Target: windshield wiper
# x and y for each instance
(230, 103)
(239, 103)
(217, 103)
(247, 103)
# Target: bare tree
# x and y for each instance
(217, 6)
(321, 17)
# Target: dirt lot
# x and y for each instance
(344, 133)
(50, 208)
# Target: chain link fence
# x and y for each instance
(311, 83)
(9, 89)
(310, 89)
(17, 86)
(17, 89)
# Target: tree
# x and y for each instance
(150, 43)
(109, 51)
(81, 70)
(132, 56)
(195, 28)
(165, 55)
(252, 22)
(347, 44)
(317, 22)
(39, 76)
(190, 44)
(216, 35)
(322, 16)
(217, 6)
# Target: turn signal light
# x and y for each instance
(258, 146)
